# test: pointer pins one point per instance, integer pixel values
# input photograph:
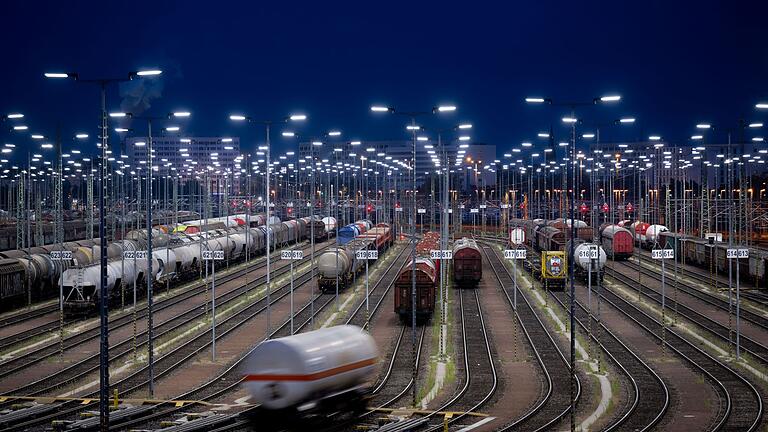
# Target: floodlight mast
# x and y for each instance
(103, 294)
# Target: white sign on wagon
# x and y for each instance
(209, 255)
(367, 254)
(292, 255)
(515, 254)
(141, 255)
(61, 255)
(441, 254)
(663, 254)
(590, 253)
(736, 253)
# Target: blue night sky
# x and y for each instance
(674, 63)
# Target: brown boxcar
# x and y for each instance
(467, 263)
(426, 272)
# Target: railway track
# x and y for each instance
(83, 368)
(25, 315)
(378, 292)
(45, 352)
(39, 330)
(720, 331)
(481, 379)
(651, 395)
(555, 404)
(758, 320)
(54, 323)
(232, 377)
(748, 291)
(741, 405)
(175, 358)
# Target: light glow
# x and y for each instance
(149, 72)
(535, 100)
(56, 75)
(610, 98)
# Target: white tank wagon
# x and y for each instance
(325, 369)
(342, 262)
(336, 262)
(652, 234)
(582, 260)
(82, 286)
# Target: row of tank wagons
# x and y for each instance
(552, 239)
(426, 275)
(311, 374)
(177, 258)
(324, 228)
(647, 235)
(347, 233)
(700, 252)
(40, 273)
(467, 263)
(341, 263)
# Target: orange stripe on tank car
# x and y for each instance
(313, 376)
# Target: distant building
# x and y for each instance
(185, 154)
(399, 154)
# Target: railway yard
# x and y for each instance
(491, 348)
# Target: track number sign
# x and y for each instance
(590, 253)
(292, 255)
(367, 254)
(515, 254)
(209, 255)
(441, 254)
(61, 255)
(135, 255)
(482, 206)
(663, 254)
(474, 210)
(737, 253)
(421, 211)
